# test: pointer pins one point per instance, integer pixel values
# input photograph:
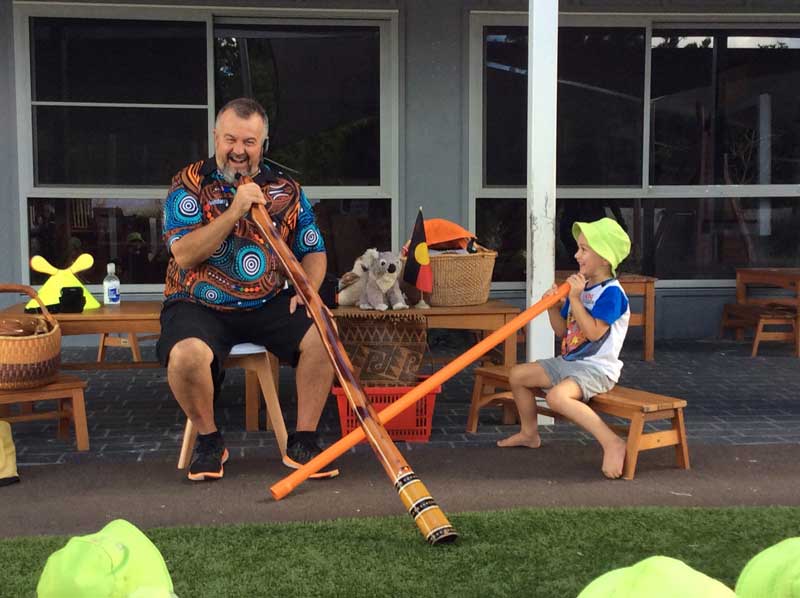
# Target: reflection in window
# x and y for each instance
(79, 66)
(501, 226)
(350, 227)
(600, 109)
(724, 107)
(124, 231)
(116, 146)
(323, 106)
(691, 238)
(104, 60)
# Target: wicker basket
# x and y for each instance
(462, 279)
(33, 360)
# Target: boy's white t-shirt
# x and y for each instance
(604, 301)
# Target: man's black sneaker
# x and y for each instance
(209, 456)
(301, 447)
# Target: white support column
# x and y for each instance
(541, 191)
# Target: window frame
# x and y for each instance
(475, 100)
(389, 97)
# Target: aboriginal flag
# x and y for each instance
(418, 264)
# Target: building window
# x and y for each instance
(691, 238)
(600, 106)
(501, 226)
(724, 107)
(126, 232)
(350, 226)
(323, 103)
(119, 104)
(113, 100)
(706, 186)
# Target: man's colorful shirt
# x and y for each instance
(243, 273)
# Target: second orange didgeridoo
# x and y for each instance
(283, 487)
(423, 509)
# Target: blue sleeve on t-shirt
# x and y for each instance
(565, 309)
(308, 238)
(610, 305)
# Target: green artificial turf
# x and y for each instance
(519, 553)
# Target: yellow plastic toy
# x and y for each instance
(51, 290)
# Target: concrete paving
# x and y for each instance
(733, 399)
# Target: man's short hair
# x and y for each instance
(245, 108)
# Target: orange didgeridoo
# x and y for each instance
(286, 485)
(428, 516)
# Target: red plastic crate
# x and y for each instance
(412, 425)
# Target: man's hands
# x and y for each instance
(246, 195)
(296, 301)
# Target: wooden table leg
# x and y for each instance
(509, 360)
(649, 322)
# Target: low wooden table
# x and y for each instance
(130, 318)
(142, 317)
(636, 285)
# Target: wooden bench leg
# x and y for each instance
(187, 445)
(101, 348)
(66, 413)
(135, 350)
(274, 413)
(251, 400)
(632, 446)
(79, 420)
(682, 448)
(509, 414)
(474, 406)
(757, 338)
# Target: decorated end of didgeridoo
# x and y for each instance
(424, 510)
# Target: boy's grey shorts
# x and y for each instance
(589, 378)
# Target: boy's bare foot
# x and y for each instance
(520, 439)
(614, 459)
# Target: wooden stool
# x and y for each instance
(68, 391)
(637, 406)
(757, 316)
(252, 396)
(261, 374)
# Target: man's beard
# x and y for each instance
(229, 170)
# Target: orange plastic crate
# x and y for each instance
(412, 425)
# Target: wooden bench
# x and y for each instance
(637, 406)
(758, 316)
(67, 390)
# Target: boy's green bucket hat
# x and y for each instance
(119, 561)
(606, 238)
(656, 577)
(774, 572)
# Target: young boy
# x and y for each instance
(592, 324)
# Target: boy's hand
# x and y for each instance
(551, 291)
(577, 282)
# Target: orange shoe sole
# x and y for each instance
(210, 475)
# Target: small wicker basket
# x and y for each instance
(32, 360)
(462, 279)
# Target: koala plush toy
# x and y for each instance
(383, 288)
(352, 284)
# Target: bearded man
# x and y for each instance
(224, 286)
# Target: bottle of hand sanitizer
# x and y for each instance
(111, 286)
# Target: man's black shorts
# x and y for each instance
(271, 326)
